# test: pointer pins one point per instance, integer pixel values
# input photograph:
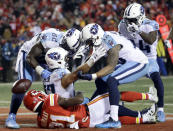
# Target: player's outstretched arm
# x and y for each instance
(66, 102)
(112, 59)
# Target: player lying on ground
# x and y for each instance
(55, 111)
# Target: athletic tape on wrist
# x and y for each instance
(39, 69)
(94, 76)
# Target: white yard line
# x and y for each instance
(22, 125)
(19, 114)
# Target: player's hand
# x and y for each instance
(82, 51)
(45, 74)
(84, 76)
(167, 43)
(98, 53)
(133, 28)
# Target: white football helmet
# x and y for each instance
(92, 34)
(56, 58)
(71, 40)
(134, 13)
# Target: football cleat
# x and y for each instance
(109, 124)
(150, 115)
(11, 122)
(160, 116)
(153, 92)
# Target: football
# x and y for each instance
(21, 86)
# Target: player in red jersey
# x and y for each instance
(55, 111)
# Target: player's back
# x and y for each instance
(128, 51)
(55, 116)
(51, 38)
(53, 84)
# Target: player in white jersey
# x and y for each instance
(143, 33)
(56, 59)
(113, 46)
(32, 56)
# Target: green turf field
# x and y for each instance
(88, 88)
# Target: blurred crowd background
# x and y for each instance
(20, 20)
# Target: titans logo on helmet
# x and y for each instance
(54, 56)
(94, 29)
(142, 10)
(70, 32)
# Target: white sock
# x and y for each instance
(139, 114)
(114, 112)
(150, 96)
(160, 109)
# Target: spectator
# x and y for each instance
(7, 55)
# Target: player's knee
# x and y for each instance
(112, 80)
(155, 76)
(99, 82)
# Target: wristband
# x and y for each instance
(39, 69)
(94, 76)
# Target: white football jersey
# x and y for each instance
(128, 52)
(53, 84)
(147, 26)
(49, 38)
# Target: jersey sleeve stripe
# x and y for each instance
(51, 99)
(97, 99)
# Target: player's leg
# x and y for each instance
(128, 116)
(99, 108)
(155, 76)
(24, 72)
(101, 88)
(131, 96)
(128, 72)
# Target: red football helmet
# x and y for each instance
(33, 99)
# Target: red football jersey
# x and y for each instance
(55, 116)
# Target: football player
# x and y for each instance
(32, 56)
(143, 33)
(55, 111)
(61, 80)
(134, 64)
